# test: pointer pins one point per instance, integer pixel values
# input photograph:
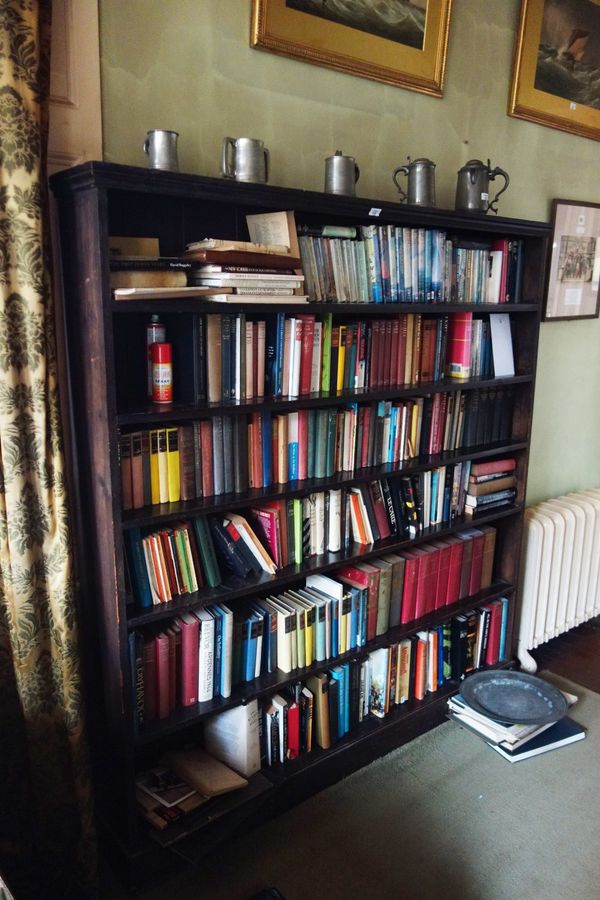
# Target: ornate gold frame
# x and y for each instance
(287, 32)
(525, 101)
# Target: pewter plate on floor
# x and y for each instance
(514, 697)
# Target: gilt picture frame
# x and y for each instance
(556, 65)
(573, 275)
(407, 50)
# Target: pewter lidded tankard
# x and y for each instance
(472, 187)
(421, 182)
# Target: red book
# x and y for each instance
(422, 578)
(161, 652)
(172, 568)
(458, 354)
(268, 517)
(380, 510)
(302, 444)
(293, 730)
(387, 353)
(370, 579)
(401, 358)
(364, 450)
(149, 667)
(172, 638)
(428, 341)
(420, 668)
(455, 568)
(208, 488)
(394, 351)
(493, 467)
(478, 540)
(441, 589)
(492, 651)
(409, 589)
(308, 340)
(255, 450)
(432, 566)
(189, 626)
(465, 569)
(434, 429)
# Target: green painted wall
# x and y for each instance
(187, 65)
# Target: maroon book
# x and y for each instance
(189, 626)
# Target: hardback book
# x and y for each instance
(164, 785)
(318, 685)
(204, 772)
(560, 734)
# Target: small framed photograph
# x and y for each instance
(574, 270)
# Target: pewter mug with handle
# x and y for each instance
(341, 174)
(161, 149)
(472, 187)
(245, 159)
(421, 182)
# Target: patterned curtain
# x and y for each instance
(46, 826)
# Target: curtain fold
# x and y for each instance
(45, 795)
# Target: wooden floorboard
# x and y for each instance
(574, 655)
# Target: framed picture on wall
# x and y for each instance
(399, 42)
(557, 59)
(572, 290)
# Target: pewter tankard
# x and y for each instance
(472, 187)
(421, 182)
(245, 159)
(161, 149)
(341, 174)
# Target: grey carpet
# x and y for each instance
(443, 817)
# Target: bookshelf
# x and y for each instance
(96, 200)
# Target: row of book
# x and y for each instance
(205, 653)
(494, 485)
(231, 454)
(330, 704)
(181, 559)
(299, 355)
(393, 264)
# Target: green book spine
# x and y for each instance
(207, 553)
(321, 443)
(311, 429)
(326, 353)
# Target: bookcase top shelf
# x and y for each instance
(115, 177)
(368, 310)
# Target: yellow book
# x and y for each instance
(341, 358)
(189, 558)
(154, 475)
(174, 486)
(309, 635)
(163, 467)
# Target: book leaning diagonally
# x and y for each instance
(275, 228)
(247, 246)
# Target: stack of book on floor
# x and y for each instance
(513, 741)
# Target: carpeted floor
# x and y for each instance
(443, 817)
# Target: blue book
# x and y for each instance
(267, 449)
(137, 567)
(503, 625)
(218, 616)
(440, 649)
(400, 263)
(346, 705)
(428, 263)
(267, 637)
(354, 617)
(560, 734)
(435, 475)
(292, 460)
(250, 642)
(335, 638)
(339, 675)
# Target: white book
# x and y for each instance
(281, 705)
(238, 358)
(249, 336)
(233, 737)
(251, 541)
(259, 387)
(206, 653)
(335, 521)
(502, 349)
(227, 648)
(320, 522)
(296, 357)
(298, 613)
(492, 294)
(284, 635)
(315, 374)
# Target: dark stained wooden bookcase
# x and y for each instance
(96, 200)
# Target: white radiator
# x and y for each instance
(560, 582)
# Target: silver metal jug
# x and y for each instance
(341, 174)
(421, 182)
(245, 159)
(161, 149)
(472, 187)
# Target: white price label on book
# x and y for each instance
(374, 211)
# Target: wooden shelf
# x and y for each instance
(181, 412)
(234, 588)
(269, 684)
(366, 310)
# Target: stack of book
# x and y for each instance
(516, 742)
(492, 484)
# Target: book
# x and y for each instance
(206, 774)
(233, 737)
(148, 278)
(149, 291)
(164, 785)
(560, 734)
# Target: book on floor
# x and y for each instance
(559, 734)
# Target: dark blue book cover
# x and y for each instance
(227, 551)
(137, 567)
